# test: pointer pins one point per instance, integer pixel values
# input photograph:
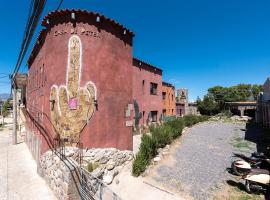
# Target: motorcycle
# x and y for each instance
(257, 180)
(245, 164)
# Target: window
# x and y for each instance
(153, 116)
(153, 88)
(163, 95)
(172, 97)
(143, 86)
(164, 112)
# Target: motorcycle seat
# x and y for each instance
(256, 171)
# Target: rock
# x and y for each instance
(156, 159)
(165, 152)
(110, 165)
(159, 150)
(69, 153)
(109, 176)
(103, 160)
(98, 172)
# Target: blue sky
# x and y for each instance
(197, 43)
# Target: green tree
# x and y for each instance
(208, 106)
(5, 112)
(217, 92)
(256, 89)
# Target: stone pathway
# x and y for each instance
(18, 172)
(198, 166)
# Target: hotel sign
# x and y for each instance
(77, 31)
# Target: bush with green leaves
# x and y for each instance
(148, 146)
(162, 135)
(139, 164)
(225, 113)
(92, 166)
(177, 126)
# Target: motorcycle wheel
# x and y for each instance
(234, 169)
(247, 186)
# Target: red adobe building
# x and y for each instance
(147, 90)
(83, 80)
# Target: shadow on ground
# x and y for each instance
(259, 135)
(238, 185)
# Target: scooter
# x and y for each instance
(257, 160)
(257, 180)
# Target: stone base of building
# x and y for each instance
(69, 180)
(34, 143)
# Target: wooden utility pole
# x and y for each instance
(14, 136)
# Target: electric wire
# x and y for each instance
(36, 8)
(61, 1)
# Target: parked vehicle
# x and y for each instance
(257, 180)
(244, 164)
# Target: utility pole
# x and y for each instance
(14, 136)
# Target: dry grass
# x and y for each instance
(235, 191)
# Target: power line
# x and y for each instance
(61, 1)
(35, 10)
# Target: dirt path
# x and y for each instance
(198, 165)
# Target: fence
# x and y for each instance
(94, 188)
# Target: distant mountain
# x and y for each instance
(4, 96)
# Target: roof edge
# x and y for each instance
(147, 64)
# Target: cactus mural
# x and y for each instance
(71, 105)
(138, 114)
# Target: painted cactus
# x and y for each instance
(71, 105)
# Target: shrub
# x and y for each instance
(162, 135)
(139, 164)
(177, 126)
(190, 120)
(226, 113)
(92, 166)
(148, 146)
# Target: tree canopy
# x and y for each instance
(214, 101)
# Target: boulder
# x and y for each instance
(109, 176)
(98, 172)
(156, 159)
(110, 165)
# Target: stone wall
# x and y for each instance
(60, 174)
(63, 175)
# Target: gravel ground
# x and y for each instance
(200, 161)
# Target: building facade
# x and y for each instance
(263, 105)
(168, 99)
(80, 81)
(147, 91)
(84, 87)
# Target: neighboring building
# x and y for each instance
(263, 105)
(168, 98)
(181, 102)
(147, 90)
(183, 107)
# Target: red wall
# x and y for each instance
(106, 61)
(145, 100)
